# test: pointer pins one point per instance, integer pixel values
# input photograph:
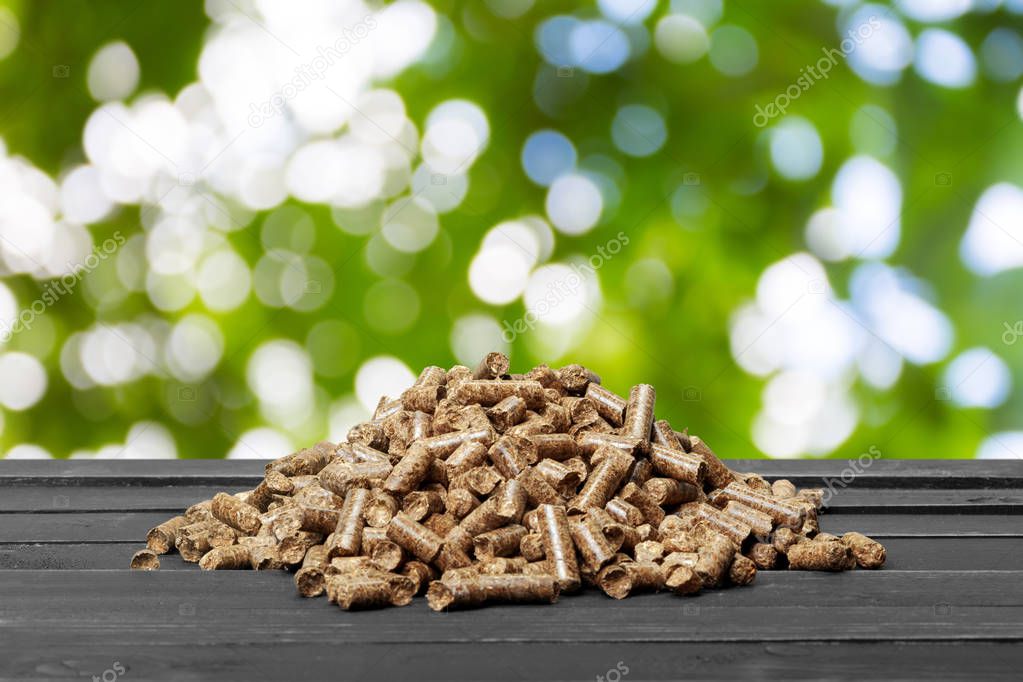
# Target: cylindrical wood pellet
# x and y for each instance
(639, 412)
(348, 535)
(593, 548)
(511, 501)
(145, 560)
(420, 573)
(161, 539)
(492, 366)
(511, 455)
(869, 553)
(716, 554)
(500, 542)
(781, 513)
(380, 508)
(309, 579)
(743, 570)
(421, 398)
(576, 378)
(497, 588)
(226, 558)
(419, 504)
(235, 513)
(507, 413)
(610, 406)
(590, 441)
(531, 547)
(410, 470)
(638, 498)
(414, 537)
(538, 490)
(466, 456)
(625, 512)
(718, 473)
(816, 555)
(339, 477)
(603, 480)
(626, 578)
(765, 556)
(489, 393)
(558, 546)
(670, 492)
(760, 522)
(678, 465)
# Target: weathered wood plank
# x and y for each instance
(880, 473)
(29, 661)
(238, 607)
(173, 499)
(170, 500)
(904, 554)
(132, 526)
(65, 472)
(942, 607)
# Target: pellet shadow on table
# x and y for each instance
(948, 604)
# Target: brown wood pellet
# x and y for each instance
(145, 560)
(479, 486)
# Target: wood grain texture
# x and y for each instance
(72, 599)
(275, 659)
(948, 604)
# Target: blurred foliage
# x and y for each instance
(678, 341)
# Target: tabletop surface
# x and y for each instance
(948, 604)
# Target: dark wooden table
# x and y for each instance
(949, 603)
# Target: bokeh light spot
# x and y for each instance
(574, 204)
(733, 51)
(796, 148)
(391, 306)
(638, 130)
(546, 155)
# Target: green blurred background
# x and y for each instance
(840, 277)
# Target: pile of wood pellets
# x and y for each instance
(479, 486)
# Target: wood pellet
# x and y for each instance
(476, 486)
